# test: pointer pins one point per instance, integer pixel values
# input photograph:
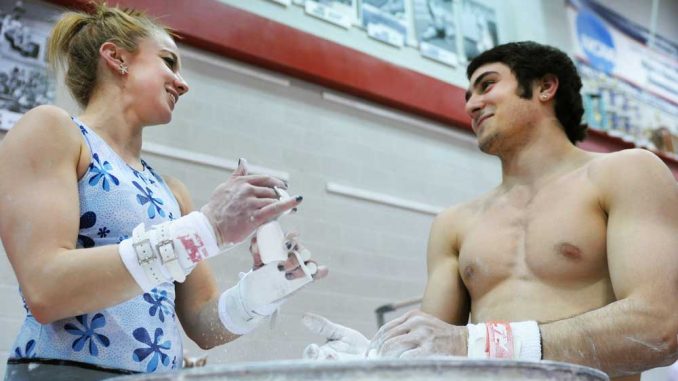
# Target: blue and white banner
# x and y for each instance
(616, 46)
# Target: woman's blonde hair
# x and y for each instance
(77, 37)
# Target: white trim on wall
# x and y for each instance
(397, 117)
(381, 198)
(242, 69)
(357, 104)
(207, 160)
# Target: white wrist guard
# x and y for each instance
(259, 293)
(168, 251)
(502, 340)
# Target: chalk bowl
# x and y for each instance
(381, 370)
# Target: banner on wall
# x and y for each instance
(616, 46)
(24, 80)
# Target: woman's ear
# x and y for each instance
(114, 57)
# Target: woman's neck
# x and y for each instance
(120, 130)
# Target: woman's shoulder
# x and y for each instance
(46, 119)
(180, 192)
(45, 130)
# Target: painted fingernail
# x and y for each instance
(294, 210)
(281, 267)
(289, 276)
(299, 198)
(288, 245)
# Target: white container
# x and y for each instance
(455, 369)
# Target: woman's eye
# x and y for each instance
(170, 62)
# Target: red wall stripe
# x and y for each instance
(234, 33)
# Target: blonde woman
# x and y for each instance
(107, 253)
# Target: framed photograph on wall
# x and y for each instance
(339, 12)
(436, 30)
(386, 20)
(24, 78)
(478, 28)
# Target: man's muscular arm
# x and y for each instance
(438, 329)
(638, 331)
(445, 297)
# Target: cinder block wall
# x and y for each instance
(375, 251)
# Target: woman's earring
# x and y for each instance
(123, 68)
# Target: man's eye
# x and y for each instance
(485, 85)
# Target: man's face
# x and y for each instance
(495, 108)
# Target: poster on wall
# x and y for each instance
(478, 28)
(24, 78)
(636, 85)
(386, 20)
(436, 30)
(339, 12)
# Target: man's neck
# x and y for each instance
(545, 152)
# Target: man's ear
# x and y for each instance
(548, 86)
(114, 57)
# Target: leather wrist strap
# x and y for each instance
(165, 249)
(146, 256)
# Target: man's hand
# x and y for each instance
(343, 343)
(243, 203)
(417, 334)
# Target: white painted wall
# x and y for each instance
(375, 251)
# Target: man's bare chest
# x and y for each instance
(554, 235)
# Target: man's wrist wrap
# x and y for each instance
(503, 340)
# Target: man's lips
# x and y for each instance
(482, 119)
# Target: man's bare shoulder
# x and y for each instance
(631, 171)
(625, 166)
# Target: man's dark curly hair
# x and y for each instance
(530, 61)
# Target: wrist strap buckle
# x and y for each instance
(168, 255)
(146, 257)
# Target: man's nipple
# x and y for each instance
(569, 251)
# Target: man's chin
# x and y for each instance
(488, 144)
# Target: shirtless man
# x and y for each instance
(580, 247)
